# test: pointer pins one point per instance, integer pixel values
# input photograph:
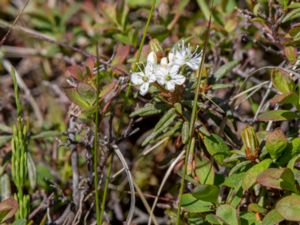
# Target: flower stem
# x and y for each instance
(110, 162)
(96, 144)
(192, 124)
(144, 35)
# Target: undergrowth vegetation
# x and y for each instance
(150, 112)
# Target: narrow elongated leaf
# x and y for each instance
(295, 13)
(185, 132)
(289, 207)
(223, 70)
(31, 171)
(5, 188)
(277, 115)
(166, 120)
(147, 110)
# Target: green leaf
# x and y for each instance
(289, 207)
(277, 115)
(295, 13)
(283, 3)
(185, 132)
(194, 205)
(204, 8)
(205, 171)
(31, 171)
(234, 180)
(228, 214)
(291, 54)
(278, 178)
(148, 110)
(224, 69)
(206, 192)
(5, 188)
(272, 218)
(276, 143)
(165, 120)
(75, 97)
(20, 222)
(295, 146)
(213, 219)
(216, 147)
(282, 81)
(251, 175)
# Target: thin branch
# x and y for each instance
(130, 182)
(14, 23)
(74, 161)
(263, 101)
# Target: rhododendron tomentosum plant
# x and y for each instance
(167, 72)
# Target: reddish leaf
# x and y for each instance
(8, 209)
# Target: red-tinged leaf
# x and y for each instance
(75, 71)
(277, 115)
(8, 209)
(276, 143)
(278, 178)
(122, 53)
(90, 64)
(287, 98)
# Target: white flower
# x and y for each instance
(144, 78)
(182, 55)
(167, 73)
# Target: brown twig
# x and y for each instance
(14, 23)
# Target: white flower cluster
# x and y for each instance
(167, 72)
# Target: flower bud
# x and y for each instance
(251, 143)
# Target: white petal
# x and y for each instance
(160, 75)
(179, 58)
(178, 79)
(194, 63)
(137, 78)
(164, 61)
(174, 69)
(171, 57)
(149, 69)
(144, 88)
(152, 78)
(170, 86)
(152, 58)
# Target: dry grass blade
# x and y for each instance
(170, 169)
(130, 182)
